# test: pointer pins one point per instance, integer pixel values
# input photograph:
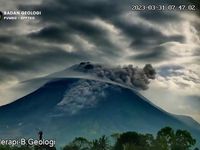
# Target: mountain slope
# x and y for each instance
(68, 107)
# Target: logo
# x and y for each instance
(1, 15)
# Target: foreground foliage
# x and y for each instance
(166, 139)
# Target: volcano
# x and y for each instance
(65, 108)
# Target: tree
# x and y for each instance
(167, 139)
(133, 140)
(149, 140)
(70, 147)
(101, 144)
(79, 143)
(183, 140)
(164, 138)
(5, 147)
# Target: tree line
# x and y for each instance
(165, 139)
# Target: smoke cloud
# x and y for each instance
(127, 75)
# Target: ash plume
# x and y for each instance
(127, 75)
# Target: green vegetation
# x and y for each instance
(166, 139)
(27, 147)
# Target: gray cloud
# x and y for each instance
(126, 75)
(63, 19)
(65, 34)
(180, 77)
(197, 52)
(17, 65)
(4, 39)
(145, 37)
(74, 22)
(154, 55)
(168, 70)
(51, 34)
(159, 16)
(193, 101)
(80, 9)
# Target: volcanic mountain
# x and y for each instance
(66, 107)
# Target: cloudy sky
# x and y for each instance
(109, 32)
